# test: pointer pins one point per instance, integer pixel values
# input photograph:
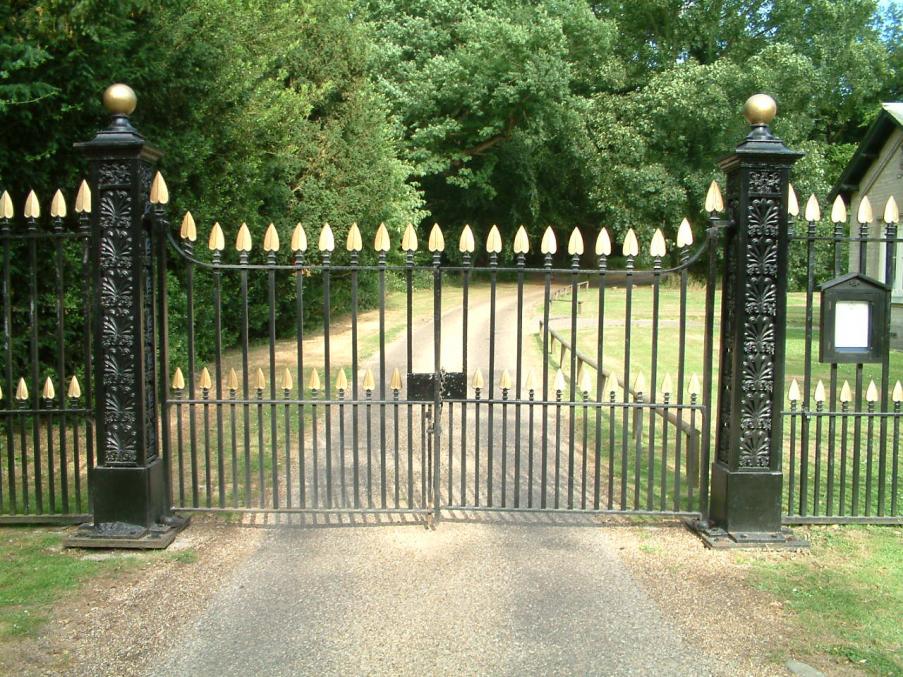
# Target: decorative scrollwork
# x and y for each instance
(115, 209)
(761, 296)
(765, 181)
(113, 174)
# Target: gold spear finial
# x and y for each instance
(437, 240)
(793, 393)
(521, 241)
(864, 214)
(58, 205)
(684, 234)
(6, 206)
(603, 243)
(657, 246)
(188, 231)
(548, 245)
(871, 395)
(75, 389)
(891, 211)
(409, 239)
(159, 192)
(505, 380)
(204, 380)
(575, 243)
(32, 206)
(714, 203)
(838, 211)
(354, 242)
(83, 199)
(232, 380)
(846, 394)
(243, 240)
(813, 211)
(314, 382)
(631, 246)
(477, 380)
(49, 391)
(217, 240)
(299, 239)
(271, 240)
(381, 242)
(368, 382)
(341, 381)
(793, 205)
(21, 390)
(466, 243)
(396, 380)
(178, 380)
(326, 242)
(260, 381)
(494, 241)
(819, 391)
(287, 381)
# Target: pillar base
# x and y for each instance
(130, 509)
(717, 538)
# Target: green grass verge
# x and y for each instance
(35, 572)
(847, 597)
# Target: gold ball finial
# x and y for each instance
(120, 99)
(760, 109)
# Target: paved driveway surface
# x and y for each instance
(467, 598)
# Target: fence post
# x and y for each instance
(128, 485)
(746, 474)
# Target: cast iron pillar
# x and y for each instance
(746, 474)
(128, 484)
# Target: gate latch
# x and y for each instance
(453, 386)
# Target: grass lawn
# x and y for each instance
(846, 596)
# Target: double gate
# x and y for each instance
(365, 372)
(488, 386)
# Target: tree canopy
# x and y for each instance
(564, 112)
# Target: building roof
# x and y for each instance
(890, 117)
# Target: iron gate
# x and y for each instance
(469, 408)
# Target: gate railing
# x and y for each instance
(46, 427)
(843, 462)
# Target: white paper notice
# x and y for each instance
(851, 324)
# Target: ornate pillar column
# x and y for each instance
(128, 484)
(746, 474)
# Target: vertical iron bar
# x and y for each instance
(451, 448)
(708, 356)
(234, 435)
(530, 451)
(355, 393)
(7, 349)
(816, 494)
(245, 379)
(61, 365)
(344, 492)
(693, 397)
(299, 349)
(844, 407)
(218, 369)
(890, 244)
(544, 443)
(84, 225)
(628, 316)
(208, 483)
(504, 449)
(585, 434)
(76, 460)
(518, 375)
(557, 447)
(476, 460)
(653, 383)
(437, 390)
(600, 375)
(663, 480)
(180, 448)
(314, 474)
(490, 392)
(791, 484)
(261, 453)
(832, 431)
(638, 451)
(572, 394)
(25, 493)
(382, 378)
(369, 395)
(611, 448)
(188, 245)
(288, 446)
(465, 292)
(51, 479)
(271, 298)
(327, 382)
(869, 458)
(681, 373)
(807, 368)
(35, 365)
(409, 286)
(895, 468)
(395, 428)
(857, 437)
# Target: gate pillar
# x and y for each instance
(746, 474)
(128, 484)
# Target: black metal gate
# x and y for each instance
(487, 387)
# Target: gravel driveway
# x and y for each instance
(474, 598)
